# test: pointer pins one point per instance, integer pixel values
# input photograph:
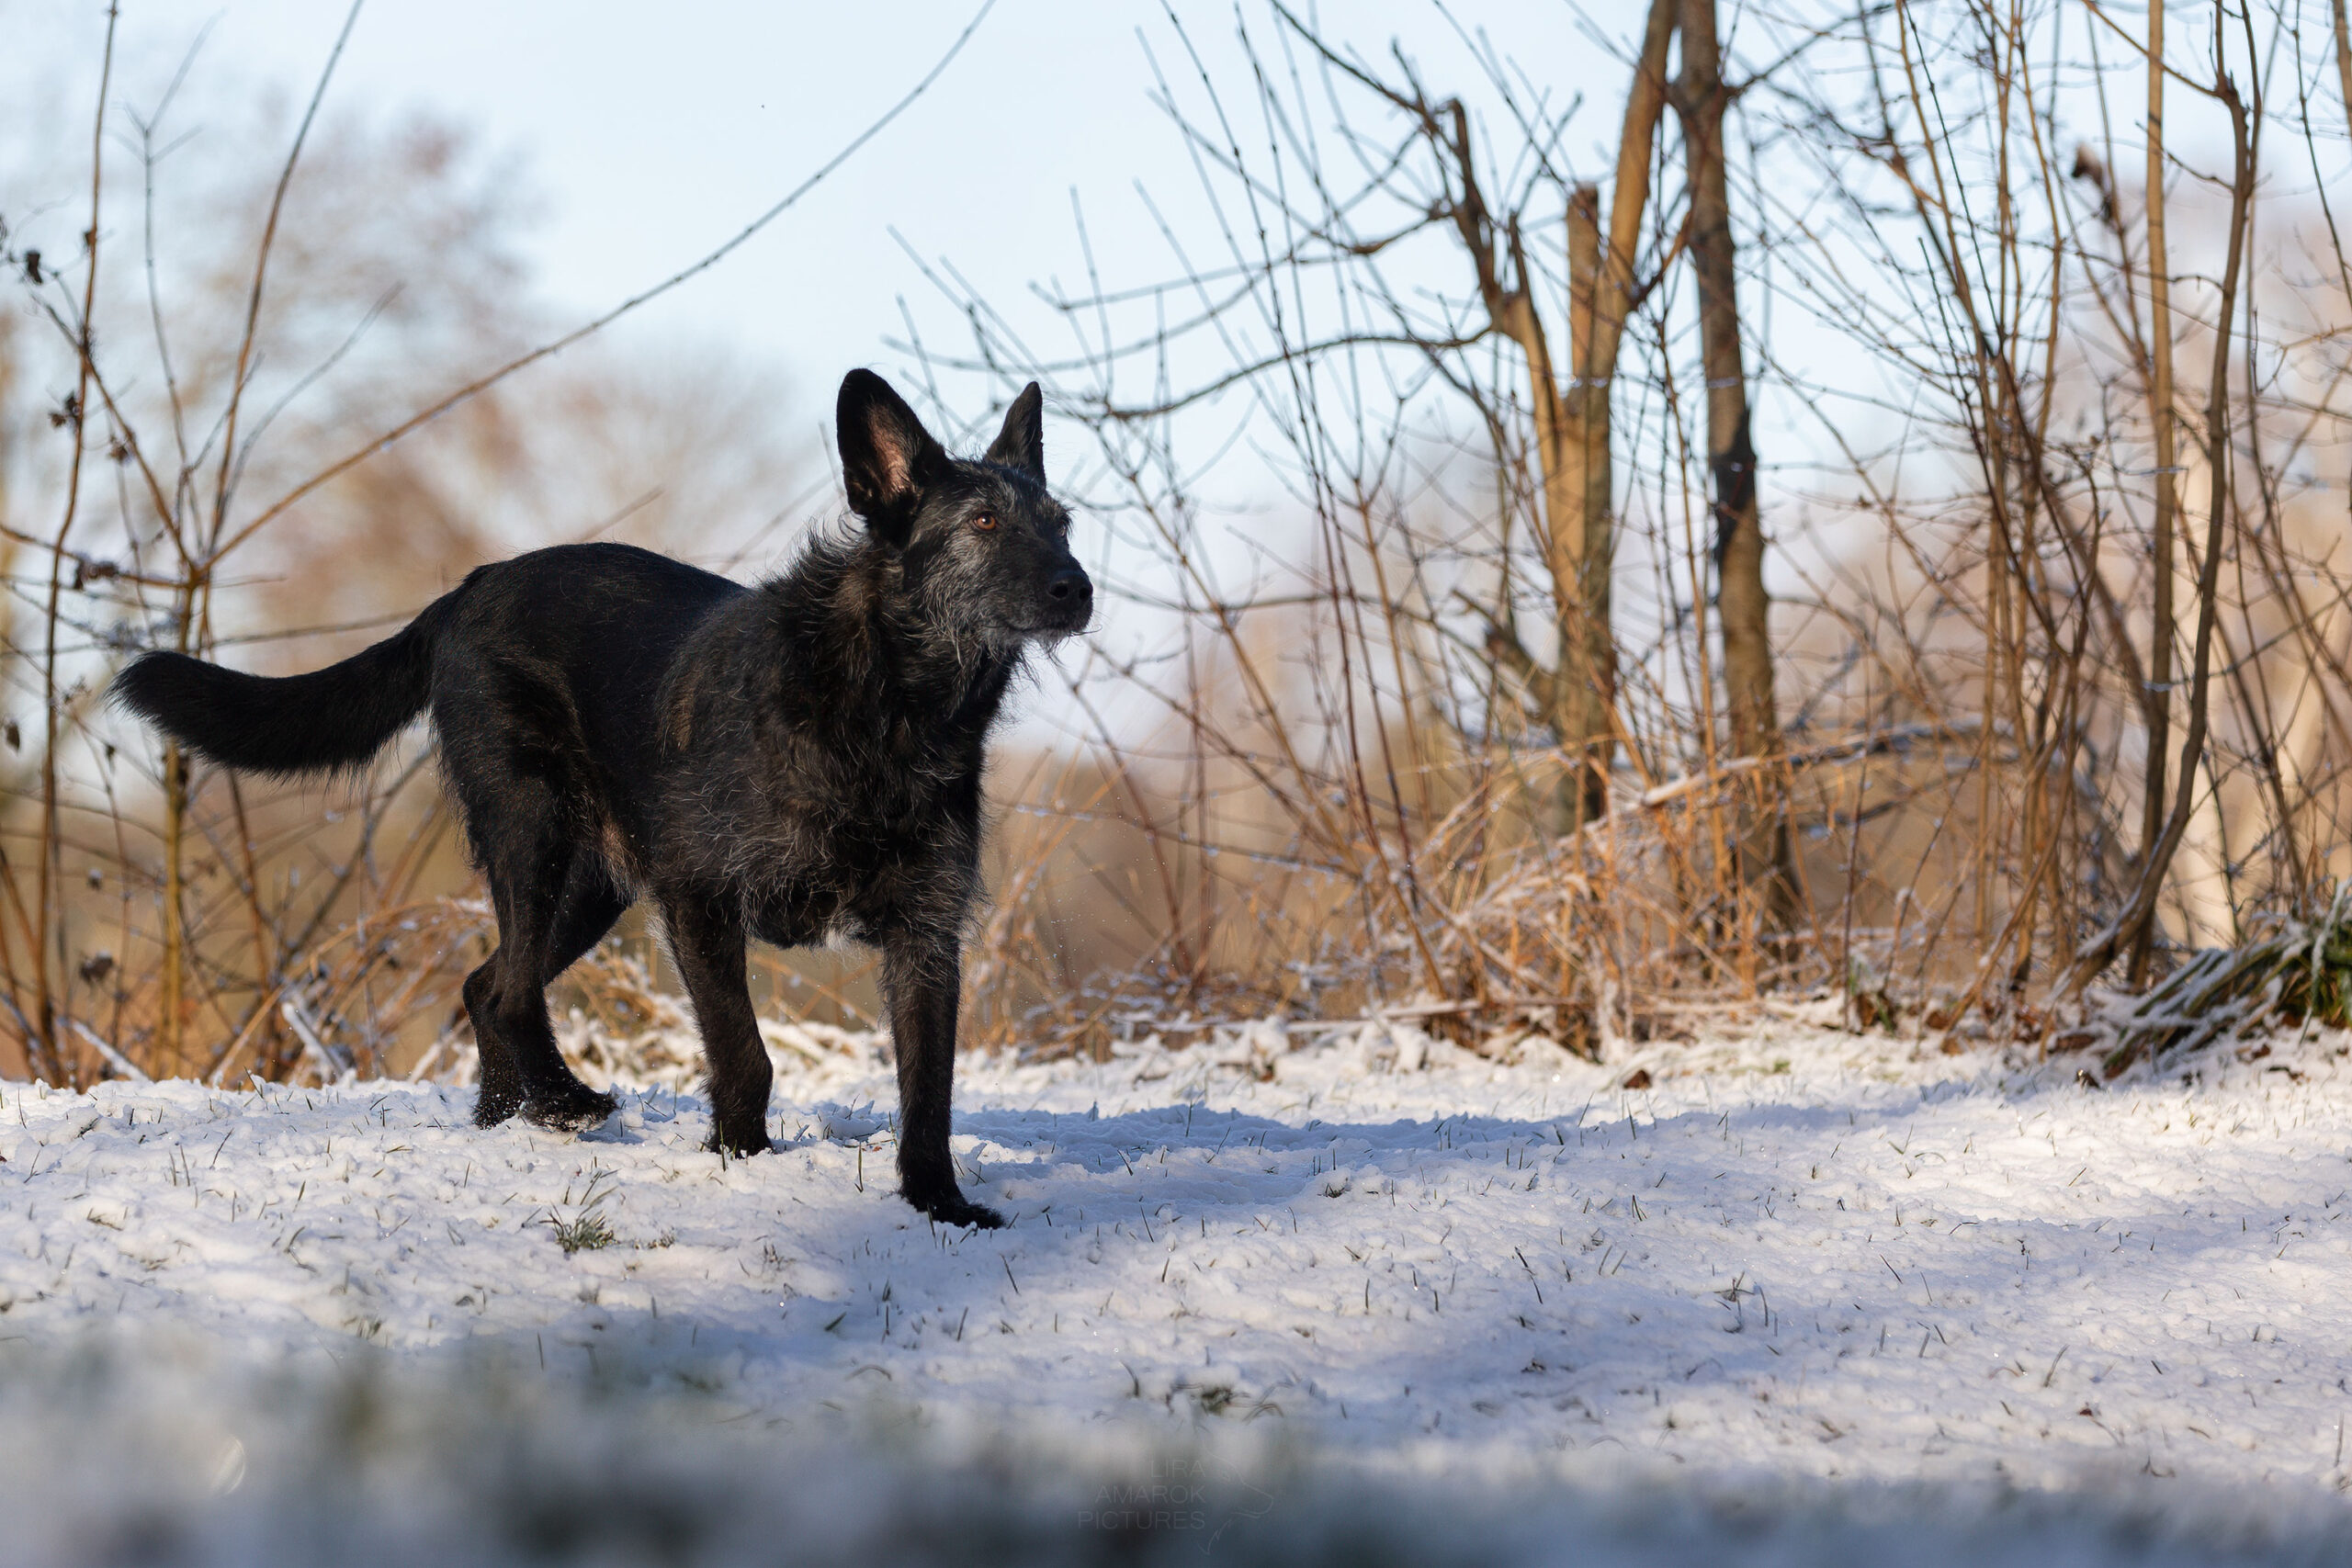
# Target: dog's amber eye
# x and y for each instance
(985, 521)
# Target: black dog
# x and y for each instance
(794, 762)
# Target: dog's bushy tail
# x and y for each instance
(334, 718)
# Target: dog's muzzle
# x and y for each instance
(1069, 602)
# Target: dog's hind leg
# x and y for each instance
(533, 887)
(709, 945)
(500, 1093)
(590, 905)
(920, 982)
(586, 911)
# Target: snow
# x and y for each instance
(1354, 1293)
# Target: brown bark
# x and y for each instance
(1744, 607)
(2343, 57)
(1579, 488)
(1579, 481)
(1572, 424)
(1576, 478)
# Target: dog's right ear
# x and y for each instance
(888, 457)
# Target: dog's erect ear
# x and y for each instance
(1022, 443)
(888, 457)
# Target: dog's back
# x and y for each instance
(548, 676)
(548, 651)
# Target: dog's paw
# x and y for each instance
(495, 1106)
(955, 1209)
(742, 1142)
(577, 1108)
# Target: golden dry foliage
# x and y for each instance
(2048, 470)
(260, 458)
(2057, 549)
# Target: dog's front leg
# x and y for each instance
(708, 946)
(920, 982)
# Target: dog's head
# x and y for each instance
(983, 547)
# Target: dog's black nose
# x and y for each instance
(1069, 587)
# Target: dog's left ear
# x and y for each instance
(888, 457)
(1022, 443)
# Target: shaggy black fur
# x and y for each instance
(796, 761)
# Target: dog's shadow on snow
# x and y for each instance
(1043, 1169)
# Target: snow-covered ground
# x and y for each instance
(1812, 1297)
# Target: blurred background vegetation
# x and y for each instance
(1875, 530)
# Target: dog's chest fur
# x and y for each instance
(822, 750)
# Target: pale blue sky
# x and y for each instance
(654, 131)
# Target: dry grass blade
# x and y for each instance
(2299, 973)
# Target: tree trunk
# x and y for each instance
(1584, 678)
(1580, 489)
(1579, 474)
(2141, 911)
(2158, 703)
(2344, 56)
(1744, 607)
